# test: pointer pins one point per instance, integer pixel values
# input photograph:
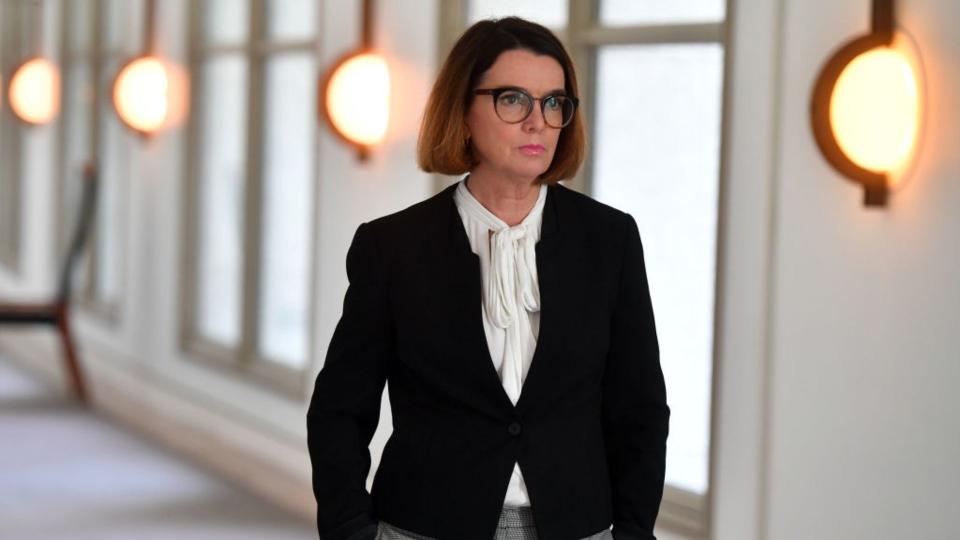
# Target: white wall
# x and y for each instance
(847, 427)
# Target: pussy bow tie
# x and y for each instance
(513, 270)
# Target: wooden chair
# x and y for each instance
(57, 311)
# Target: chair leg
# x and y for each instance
(70, 356)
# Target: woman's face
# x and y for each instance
(499, 145)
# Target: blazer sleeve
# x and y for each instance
(635, 411)
(345, 408)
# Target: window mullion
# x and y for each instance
(451, 17)
(250, 304)
(96, 75)
(266, 47)
(60, 166)
(202, 49)
(6, 58)
(712, 32)
(191, 190)
(581, 17)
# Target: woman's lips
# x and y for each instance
(532, 149)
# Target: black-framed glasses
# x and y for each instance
(514, 105)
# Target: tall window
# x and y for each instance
(13, 48)
(251, 186)
(100, 35)
(651, 75)
(79, 104)
(550, 13)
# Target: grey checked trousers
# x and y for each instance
(516, 523)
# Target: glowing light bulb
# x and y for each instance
(357, 98)
(141, 94)
(35, 91)
(874, 110)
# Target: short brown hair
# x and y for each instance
(442, 146)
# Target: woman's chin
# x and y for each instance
(526, 168)
(532, 169)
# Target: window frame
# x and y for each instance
(244, 361)
(583, 37)
(12, 53)
(69, 57)
(97, 54)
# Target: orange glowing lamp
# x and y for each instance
(141, 94)
(34, 91)
(149, 93)
(354, 95)
(357, 99)
(881, 79)
(867, 107)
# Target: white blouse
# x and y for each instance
(511, 297)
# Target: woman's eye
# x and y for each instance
(553, 102)
(510, 99)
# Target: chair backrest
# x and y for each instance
(81, 232)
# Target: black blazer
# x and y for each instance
(589, 429)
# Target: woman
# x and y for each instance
(502, 282)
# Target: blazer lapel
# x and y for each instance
(549, 253)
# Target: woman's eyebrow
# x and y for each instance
(548, 93)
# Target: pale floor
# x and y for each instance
(67, 473)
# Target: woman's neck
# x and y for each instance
(509, 200)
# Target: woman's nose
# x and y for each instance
(535, 120)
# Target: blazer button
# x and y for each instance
(514, 428)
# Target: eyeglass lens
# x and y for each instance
(514, 106)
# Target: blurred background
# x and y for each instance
(809, 340)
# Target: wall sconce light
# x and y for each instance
(143, 87)
(34, 89)
(354, 95)
(866, 110)
(140, 94)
